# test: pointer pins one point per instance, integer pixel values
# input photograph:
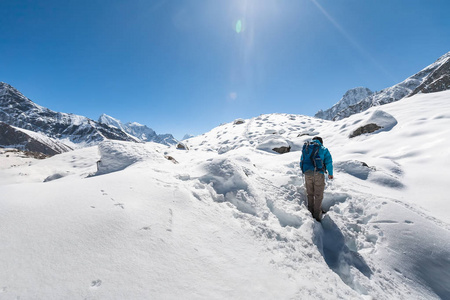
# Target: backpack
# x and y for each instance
(311, 160)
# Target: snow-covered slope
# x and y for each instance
(17, 110)
(139, 131)
(226, 219)
(434, 78)
(351, 97)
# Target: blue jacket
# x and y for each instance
(325, 156)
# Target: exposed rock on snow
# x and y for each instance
(282, 149)
(239, 121)
(274, 144)
(168, 157)
(378, 121)
(369, 128)
(182, 146)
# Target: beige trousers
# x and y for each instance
(315, 185)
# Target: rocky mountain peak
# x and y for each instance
(351, 97)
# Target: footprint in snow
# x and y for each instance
(96, 283)
(121, 205)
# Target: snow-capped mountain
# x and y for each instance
(142, 132)
(351, 97)
(17, 110)
(25, 140)
(433, 78)
(227, 218)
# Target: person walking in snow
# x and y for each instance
(315, 161)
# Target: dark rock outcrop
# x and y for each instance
(369, 128)
(282, 150)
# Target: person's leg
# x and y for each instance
(309, 183)
(319, 186)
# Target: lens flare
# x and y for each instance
(238, 26)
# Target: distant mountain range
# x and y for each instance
(434, 78)
(139, 131)
(73, 130)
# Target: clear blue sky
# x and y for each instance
(187, 66)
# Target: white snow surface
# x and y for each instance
(226, 219)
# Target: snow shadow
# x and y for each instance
(434, 270)
(229, 182)
(331, 243)
(331, 199)
(285, 218)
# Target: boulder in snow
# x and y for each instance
(378, 121)
(182, 146)
(282, 149)
(275, 144)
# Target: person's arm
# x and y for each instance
(328, 160)
(301, 162)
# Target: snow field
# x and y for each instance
(228, 220)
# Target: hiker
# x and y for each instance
(315, 162)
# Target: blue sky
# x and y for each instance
(187, 66)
